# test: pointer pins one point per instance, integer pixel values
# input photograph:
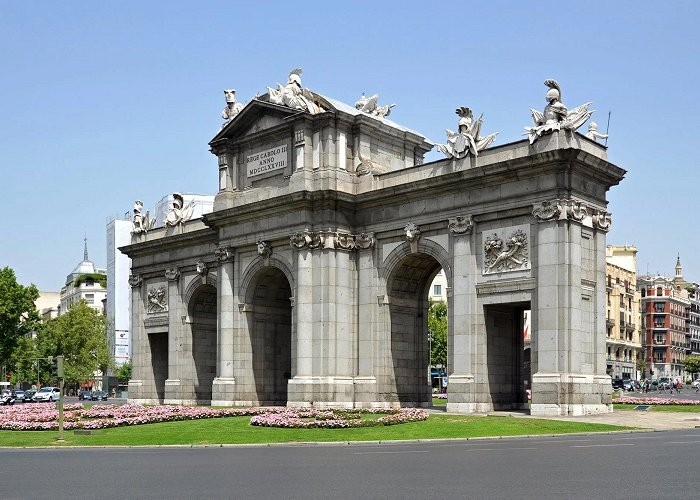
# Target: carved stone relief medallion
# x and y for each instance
(157, 300)
(506, 250)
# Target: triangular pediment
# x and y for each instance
(256, 117)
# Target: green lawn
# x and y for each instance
(237, 430)
(671, 408)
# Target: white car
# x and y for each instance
(47, 394)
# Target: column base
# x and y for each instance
(320, 392)
(463, 397)
(570, 394)
(223, 392)
(174, 394)
(135, 391)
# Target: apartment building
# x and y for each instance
(666, 310)
(623, 338)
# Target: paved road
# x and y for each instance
(626, 465)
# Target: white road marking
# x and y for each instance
(601, 445)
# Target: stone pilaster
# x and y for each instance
(463, 319)
(223, 387)
(140, 355)
(564, 311)
(176, 344)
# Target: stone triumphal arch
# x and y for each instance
(307, 284)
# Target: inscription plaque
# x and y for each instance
(266, 161)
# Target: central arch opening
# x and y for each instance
(271, 335)
(408, 287)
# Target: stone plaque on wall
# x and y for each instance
(266, 161)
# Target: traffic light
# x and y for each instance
(56, 366)
(53, 370)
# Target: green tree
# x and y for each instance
(123, 372)
(692, 364)
(437, 325)
(18, 315)
(80, 336)
(642, 366)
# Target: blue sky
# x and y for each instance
(105, 103)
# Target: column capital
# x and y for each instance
(135, 280)
(461, 225)
(172, 273)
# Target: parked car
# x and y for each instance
(618, 383)
(99, 396)
(84, 396)
(29, 396)
(48, 393)
(7, 397)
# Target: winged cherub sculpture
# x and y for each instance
(555, 115)
(467, 139)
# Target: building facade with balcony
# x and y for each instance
(694, 319)
(623, 340)
(666, 310)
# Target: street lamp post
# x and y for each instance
(430, 359)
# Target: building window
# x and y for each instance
(437, 289)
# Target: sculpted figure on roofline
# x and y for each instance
(555, 115)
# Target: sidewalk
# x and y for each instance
(653, 420)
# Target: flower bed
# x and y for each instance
(37, 416)
(655, 401)
(336, 419)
